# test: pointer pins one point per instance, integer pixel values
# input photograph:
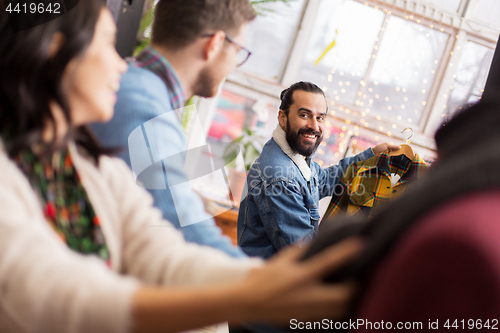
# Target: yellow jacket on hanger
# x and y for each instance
(366, 185)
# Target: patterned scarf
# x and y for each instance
(64, 201)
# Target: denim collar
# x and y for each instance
(279, 137)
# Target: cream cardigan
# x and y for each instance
(46, 287)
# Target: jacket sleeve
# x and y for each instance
(153, 145)
(156, 253)
(46, 287)
(283, 225)
(328, 178)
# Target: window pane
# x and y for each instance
(341, 69)
(270, 35)
(488, 11)
(446, 5)
(403, 71)
(336, 141)
(471, 75)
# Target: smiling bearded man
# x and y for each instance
(284, 184)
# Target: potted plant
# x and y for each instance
(239, 157)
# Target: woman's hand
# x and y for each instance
(286, 288)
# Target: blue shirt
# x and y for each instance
(281, 206)
(147, 128)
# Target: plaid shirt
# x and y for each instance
(152, 60)
(366, 185)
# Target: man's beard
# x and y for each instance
(206, 85)
(293, 139)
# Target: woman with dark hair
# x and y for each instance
(77, 250)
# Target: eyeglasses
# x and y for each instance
(243, 53)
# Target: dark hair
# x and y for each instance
(30, 79)
(287, 94)
(177, 23)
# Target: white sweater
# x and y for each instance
(46, 287)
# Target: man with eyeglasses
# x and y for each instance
(195, 44)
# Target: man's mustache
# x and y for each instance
(308, 131)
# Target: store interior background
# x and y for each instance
(384, 66)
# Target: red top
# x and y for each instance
(446, 267)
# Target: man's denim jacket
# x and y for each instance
(283, 192)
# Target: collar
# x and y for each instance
(152, 60)
(279, 137)
(399, 164)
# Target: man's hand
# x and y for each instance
(383, 147)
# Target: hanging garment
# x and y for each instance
(366, 185)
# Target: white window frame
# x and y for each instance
(458, 24)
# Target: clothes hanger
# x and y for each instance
(405, 148)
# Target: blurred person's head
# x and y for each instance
(206, 36)
(302, 116)
(57, 77)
